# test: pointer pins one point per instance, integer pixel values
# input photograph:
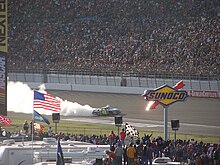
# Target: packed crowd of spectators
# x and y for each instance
(143, 150)
(146, 148)
(125, 148)
(116, 35)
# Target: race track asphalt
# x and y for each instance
(196, 115)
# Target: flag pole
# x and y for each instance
(165, 123)
(32, 139)
(32, 132)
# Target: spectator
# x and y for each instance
(204, 158)
(26, 127)
(136, 156)
(159, 143)
(198, 160)
(127, 140)
(111, 157)
(217, 155)
(144, 156)
(122, 136)
(131, 154)
(146, 138)
(125, 157)
(119, 153)
(32, 127)
(149, 154)
(49, 132)
(112, 138)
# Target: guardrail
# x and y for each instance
(185, 76)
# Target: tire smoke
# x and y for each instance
(20, 99)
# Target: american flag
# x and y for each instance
(46, 102)
(130, 130)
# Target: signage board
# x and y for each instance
(165, 95)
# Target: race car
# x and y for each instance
(106, 111)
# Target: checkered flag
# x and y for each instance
(130, 130)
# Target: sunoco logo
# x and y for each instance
(166, 95)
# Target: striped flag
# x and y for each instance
(130, 130)
(4, 120)
(46, 102)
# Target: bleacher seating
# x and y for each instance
(133, 36)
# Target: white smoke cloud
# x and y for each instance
(75, 109)
(20, 99)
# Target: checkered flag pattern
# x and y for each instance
(131, 131)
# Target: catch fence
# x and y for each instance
(128, 79)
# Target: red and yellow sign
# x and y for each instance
(165, 95)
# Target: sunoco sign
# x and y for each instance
(165, 95)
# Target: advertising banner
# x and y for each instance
(3, 57)
(203, 93)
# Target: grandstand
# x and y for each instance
(149, 42)
(138, 36)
